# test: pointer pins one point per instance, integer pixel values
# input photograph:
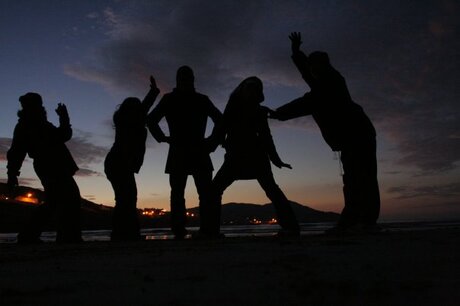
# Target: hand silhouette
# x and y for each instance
(296, 41)
(153, 84)
(61, 110)
(286, 166)
(280, 164)
(272, 114)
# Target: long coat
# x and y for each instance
(186, 114)
(248, 141)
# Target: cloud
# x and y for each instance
(409, 86)
(222, 42)
(89, 197)
(86, 153)
(25, 181)
(442, 191)
(83, 172)
(400, 60)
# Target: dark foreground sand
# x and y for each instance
(394, 268)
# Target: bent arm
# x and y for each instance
(17, 153)
(153, 120)
(217, 134)
(266, 137)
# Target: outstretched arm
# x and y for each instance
(149, 99)
(300, 59)
(294, 109)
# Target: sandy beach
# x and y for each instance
(392, 268)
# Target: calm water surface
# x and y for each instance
(243, 230)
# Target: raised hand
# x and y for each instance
(296, 41)
(153, 84)
(61, 110)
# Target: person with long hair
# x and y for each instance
(125, 159)
(249, 150)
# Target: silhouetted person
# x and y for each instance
(53, 164)
(125, 159)
(249, 149)
(186, 112)
(346, 128)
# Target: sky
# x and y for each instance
(400, 60)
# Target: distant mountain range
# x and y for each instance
(14, 212)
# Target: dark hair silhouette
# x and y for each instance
(185, 78)
(249, 149)
(125, 159)
(32, 108)
(130, 112)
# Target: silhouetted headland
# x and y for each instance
(14, 213)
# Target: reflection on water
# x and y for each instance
(263, 230)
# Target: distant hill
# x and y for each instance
(244, 213)
(14, 214)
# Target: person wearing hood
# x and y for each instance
(53, 163)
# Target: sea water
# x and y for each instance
(260, 230)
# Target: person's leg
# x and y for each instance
(125, 217)
(33, 229)
(361, 191)
(68, 210)
(211, 200)
(286, 217)
(209, 205)
(369, 195)
(178, 212)
(349, 215)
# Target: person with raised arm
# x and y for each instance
(125, 159)
(345, 128)
(45, 144)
